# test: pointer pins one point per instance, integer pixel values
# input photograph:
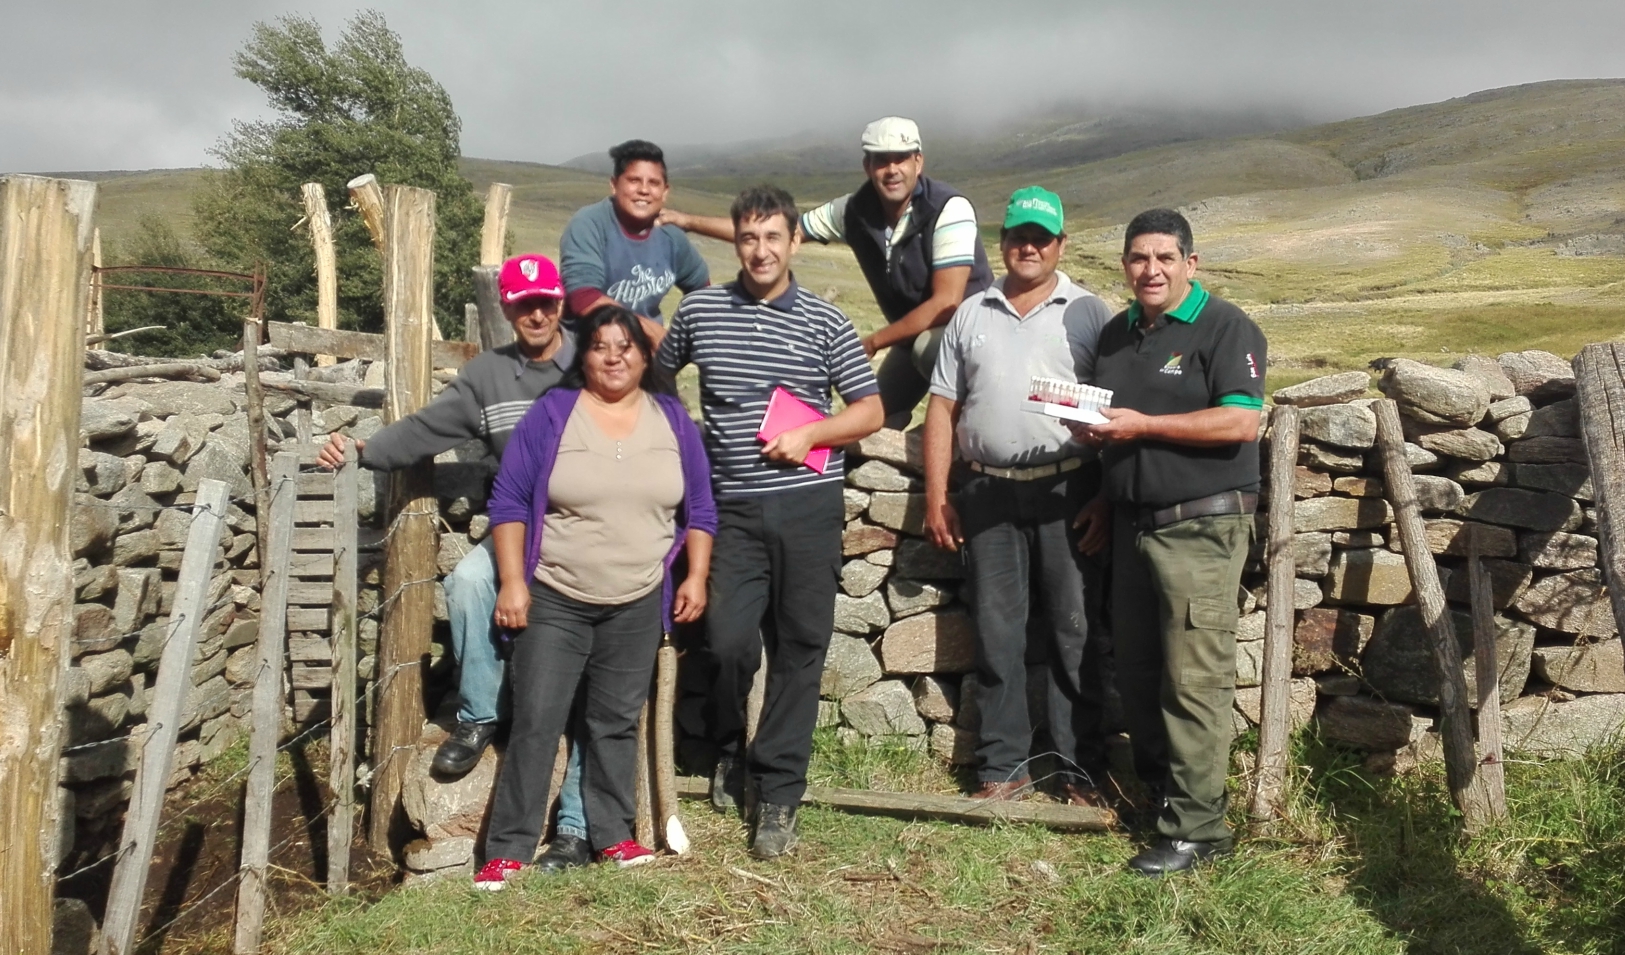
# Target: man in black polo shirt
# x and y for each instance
(915, 239)
(1180, 452)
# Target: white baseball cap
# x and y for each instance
(891, 134)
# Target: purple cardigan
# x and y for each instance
(520, 494)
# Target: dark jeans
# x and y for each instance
(774, 572)
(1019, 536)
(610, 652)
(901, 383)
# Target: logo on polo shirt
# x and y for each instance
(1252, 366)
(1171, 366)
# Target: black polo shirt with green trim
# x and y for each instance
(1204, 354)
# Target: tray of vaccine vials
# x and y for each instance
(1059, 398)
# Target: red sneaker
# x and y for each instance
(493, 876)
(627, 854)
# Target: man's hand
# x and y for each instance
(869, 346)
(513, 606)
(791, 446)
(670, 216)
(688, 604)
(942, 525)
(1095, 522)
(331, 456)
(1122, 425)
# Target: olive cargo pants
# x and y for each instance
(1174, 614)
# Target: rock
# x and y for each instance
(175, 442)
(1337, 684)
(138, 592)
(104, 474)
(1480, 472)
(884, 709)
(881, 558)
(91, 526)
(1540, 727)
(1587, 668)
(1508, 580)
(1305, 594)
(1249, 663)
(169, 398)
(1300, 704)
(1516, 507)
(954, 744)
(216, 462)
(899, 512)
(919, 560)
(1435, 493)
(1251, 626)
(453, 548)
(1418, 457)
(1311, 554)
(1340, 513)
(849, 666)
(93, 629)
(429, 855)
(1558, 419)
(861, 615)
(1398, 662)
(860, 578)
(1573, 602)
(936, 699)
(894, 448)
(1322, 458)
(135, 548)
(149, 645)
(829, 714)
(206, 701)
(1469, 444)
(1365, 722)
(1342, 426)
(136, 510)
(447, 808)
(1513, 428)
(1558, 551)
(106, 670)
(941, 641)
(1445, 536)
(75, 688)
(1307, 483)
(1326, 390)
(1358, 539)
(1571, 480)
(909, 597)
(1358, 486)
(1508, 408)
(103, 420)
(1367, 577)
(880, 476)
(1547, 450)
(160, 478)
(1539, 376)
(1489, 374)
(864, 538)
(1435, 395)
(73, 928)
(1326, 638)
(855, 502)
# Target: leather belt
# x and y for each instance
(1027, 474)
(1227, 502)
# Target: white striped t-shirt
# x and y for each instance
(953, 241)
(745, 348)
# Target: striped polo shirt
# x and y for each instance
(745, 348)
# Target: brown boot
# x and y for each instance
(1009, 791)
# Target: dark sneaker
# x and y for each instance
(493, 876)
(1175, 855)
(462, 749)
(775, 831)
(564, 852)
(728, 784)
(627, 854)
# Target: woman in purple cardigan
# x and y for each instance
(603, 483)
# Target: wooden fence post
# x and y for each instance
(95, 317)
(255, 409)
(1599, 380)
(494, 328)
(471, 325)
(268, 703)
(1456, 731)
(494, 231)
(1275, 723)
(405, 232)
(341, 744)
(327, 274)
(45, 243)
(1487, 670)
(164, 717)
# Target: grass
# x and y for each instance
(1360, 864)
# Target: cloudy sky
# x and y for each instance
(137, 84)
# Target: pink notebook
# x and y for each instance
(786, 411)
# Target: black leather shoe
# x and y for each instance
(728, 784)
(462, 749)
(1175, 855)
(775, 831)
(564, 852)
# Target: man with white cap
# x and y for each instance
(917, 243)
(485, 401)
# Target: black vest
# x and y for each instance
(901, 285)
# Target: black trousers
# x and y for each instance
(774, 571)
(609, 652)
(1022, 556)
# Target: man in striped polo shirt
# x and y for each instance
(778, 547)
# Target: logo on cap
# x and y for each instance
(529, 269)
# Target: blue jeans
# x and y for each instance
(471, 603)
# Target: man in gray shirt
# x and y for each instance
(1026, 480)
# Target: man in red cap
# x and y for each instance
(485, 401)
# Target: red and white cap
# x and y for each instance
(524, 276)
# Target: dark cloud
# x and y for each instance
(141, 84)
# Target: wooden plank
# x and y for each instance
(341, 741)
(1456, 729)
(314, 483)
(668, 823)
(305, 648)
(962, 809)
(308, 619)
(266, 713)
(164, 712)
(310, 340)
(313, 538)
(309, 593)
(166, 369)
(314, 511)
(320, 221)
(310, 565)
(494, 230)
(471, 324)
(1491, 769)
(405, 234)
(46, 230)
(643, 817)
(256, 430)
(329, 392)
(95, 315)
(495, 330)
(1599, 379)
(1275, 725)
(302, 677)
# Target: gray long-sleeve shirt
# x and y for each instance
(486, 400)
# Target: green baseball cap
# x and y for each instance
(1037, 206)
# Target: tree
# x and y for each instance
(192, 324)
(358, 107)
